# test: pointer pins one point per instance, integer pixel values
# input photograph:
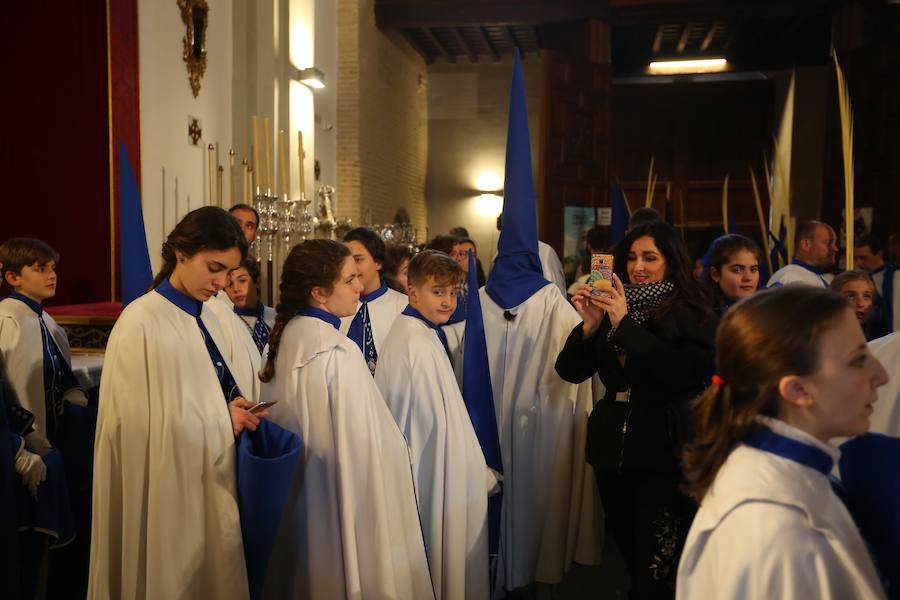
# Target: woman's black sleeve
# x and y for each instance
(577, 362)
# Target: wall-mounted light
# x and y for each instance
(682, 67)
(311, 77)
(490, 205)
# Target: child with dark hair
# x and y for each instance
(417, 381)
(396, 266)
(379, 305)
(38, 370)
(243, 291)
(170, 408)
(732, 272)
(859, 290)
(351, 529)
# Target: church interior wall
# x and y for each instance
(467, 121)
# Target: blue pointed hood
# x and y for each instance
(136, 274)
(517, 273)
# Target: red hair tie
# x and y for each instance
(718, 381)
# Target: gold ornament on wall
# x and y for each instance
(195, 15)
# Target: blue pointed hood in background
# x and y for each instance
(479, 397)
(136, 272)
(517, 273)
(619, 223)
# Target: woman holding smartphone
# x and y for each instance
(165, 513)
(651, 343)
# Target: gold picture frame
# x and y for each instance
(195, 16)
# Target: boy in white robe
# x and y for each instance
(452, 480)
(351, 529)
(379, 305)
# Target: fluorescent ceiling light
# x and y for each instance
(312, 77)
(700, 65)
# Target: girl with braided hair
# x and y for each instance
(793, 372)
(351, 526)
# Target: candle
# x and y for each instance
(268, 181)
(253, 127)
(209, 169)
(302, 176)
(220, 184)
(282, 163)
(232, 177)
(245, 193)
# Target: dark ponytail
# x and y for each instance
(761, 339)
(206, 228)
(314, 263)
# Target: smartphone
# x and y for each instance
(601, 274)
(261, 406)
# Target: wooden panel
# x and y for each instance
(575, 103)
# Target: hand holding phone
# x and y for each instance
(260, 406)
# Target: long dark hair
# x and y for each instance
(394, 256)
(678, 266)
(314, 263)
(206, 228)
(722, 250)
(763, 338)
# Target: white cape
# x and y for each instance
(382, 312)
(551, 510)
(20, 345)
(165, 513)
(886, 416)
(239, 349)
(452, 480)
(351, 527)
(770, 527)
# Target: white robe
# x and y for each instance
(553, 269)
(551, 510)
(791, 274)
(165, 513)
(351, 530)
(770, 527)
(23, 355)
(239, 349)
(878, 278)
(452, 480)
(382, 312)
(886, 416)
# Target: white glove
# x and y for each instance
(493, 481)
(76, 396)
(37, 443)
(32, 469)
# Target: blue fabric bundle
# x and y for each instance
(266, 462)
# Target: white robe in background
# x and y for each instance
(165, 513)
(23, 355)
(352, 529)
(452, 480)
(552, 266)
(791, 274)
(886, 415)
(770, 527)
(551, 510)
(239, 349)
(382, 312)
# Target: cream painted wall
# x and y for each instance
(467, 122)
(173, 172)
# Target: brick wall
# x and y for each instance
(382, 120)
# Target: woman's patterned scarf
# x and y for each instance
(643, 299)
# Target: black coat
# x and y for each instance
(669, 360)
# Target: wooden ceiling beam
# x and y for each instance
(473, 56)
(683, 40)
(402, 14)
(489, 44)
(707, 40)
(437, 44)
(657, 40)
